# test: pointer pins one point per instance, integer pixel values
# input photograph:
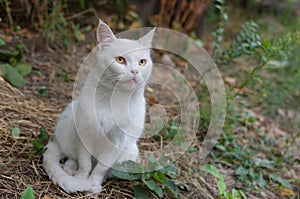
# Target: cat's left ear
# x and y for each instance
(104, 33)
(147, 39)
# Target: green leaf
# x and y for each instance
(150, 157)
(154, 187)
(140, 192)
(261, 181)
(242, 171)
(2, 42)
(37, 144)
(24, 69)
(43, 134)
(65, 75)
(243, 195)
(15, 132)
(192, 149)
(28, 193)
(172, 188)
(43, 92)
(213, 171)
(6, 55)
(221, 186)
(78, 35)
(153, 164)
(13, 76)
(160, 177)
(234, 193)
(169, 166)
(128, 170)
(279, 180)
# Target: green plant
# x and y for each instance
(43, 91)
(223, 193)
(65, 75)
(160, 177)
(39, 143)
(57, 23)
(28, 193)
(219, 32)
(12, 66)
(58, 26)
(15, 132)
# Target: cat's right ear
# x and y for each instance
(104, 33)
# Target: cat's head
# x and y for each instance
(127, 62)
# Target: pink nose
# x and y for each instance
(135, 72)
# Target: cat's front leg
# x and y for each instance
(97, 176)
(84, 163)
(105, 160)
(131, 152)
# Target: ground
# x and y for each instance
(27, 109)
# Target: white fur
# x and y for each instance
(106, 120)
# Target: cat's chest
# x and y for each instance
(120, 114)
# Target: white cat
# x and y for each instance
(107, 119)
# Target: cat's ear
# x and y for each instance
(146, 40)
(104, 33)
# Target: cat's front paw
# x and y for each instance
(95, 185)
(96, 188)
(81, 175)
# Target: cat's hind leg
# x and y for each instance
(70, 166)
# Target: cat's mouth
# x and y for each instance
(132, 81)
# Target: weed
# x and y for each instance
(223, 193)
(15, 132)
(43, 91)
(65, 75)
(12, 66)
(39, 143)
(219, 33)
(28, 193)
(251, 170)
(160, 177)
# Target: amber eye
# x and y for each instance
(142, 62)
(120, 60)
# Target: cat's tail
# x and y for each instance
(68, 183)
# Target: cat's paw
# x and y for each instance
(70, 167)
(81, 174)
(96, 188)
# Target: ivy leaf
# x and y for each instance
(28, 193)
(140, 192)
(154, 187)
